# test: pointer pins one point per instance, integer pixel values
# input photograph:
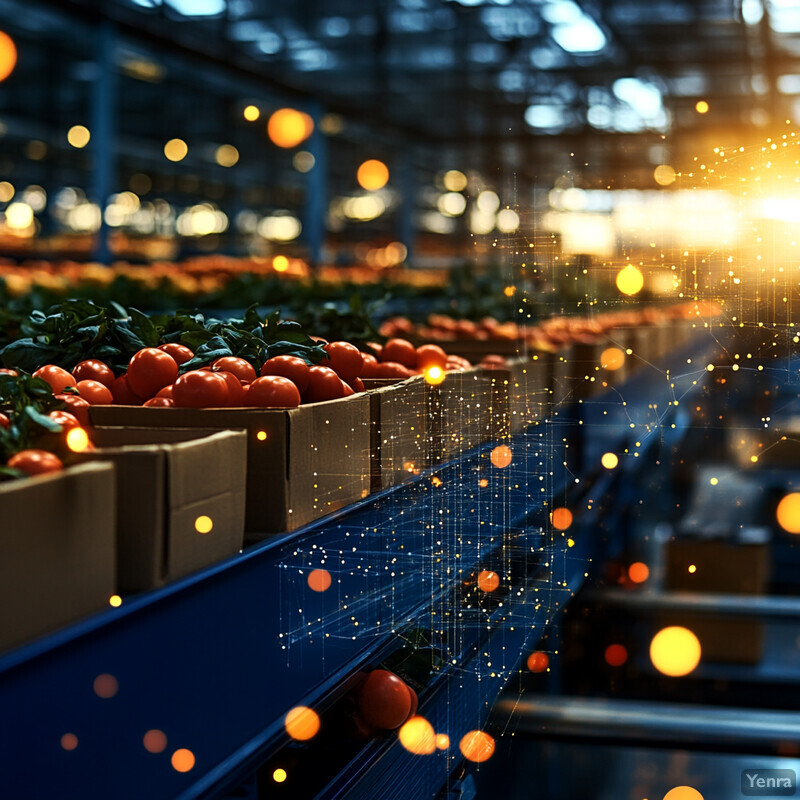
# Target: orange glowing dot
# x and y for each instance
(612, 358)
(319, 580)
(8, 55)
(509, 291)
(418, 737)
(488, 581)
(105, 686)
(701, 107)
(476, 746)
(442, 741)
(538, 662)
(204, 524)
(182, 760)
(638, 572)
(436, 481)
(302, 723)
(279, 776)
(280, 263)
(409, 466)
(155, 741)
(372, 175)
(683, 793)
(609, 460)
(616, 655)
(501, 456)
(561, 518)
(434, 375)
(788, 512)
(69, 741)
(483, 483)
(115, 600)
(675, 651)
(287, 127)
(261, 436)
(78, 440)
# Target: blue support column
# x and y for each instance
(103, 112)
(407, 186)
(316, 205)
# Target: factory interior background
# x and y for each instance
(399, 399)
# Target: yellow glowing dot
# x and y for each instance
(251, 113)
(287, 127)
(203, 524)
(261, 436)
(509, 291)
(280, 263)
(455, 180)
(683, 793)
(105, 686)
(735, 367)
(8, 55)
(692, 569)
(483, 483)
(754, 459)
(69, 741)
(77, 440)
(538, 661)
(176, 150)
(609, 460)
(436, 481)
(675, 651)
(78, 136)
(630, 280)
(710, 367)
(701, 107)
(279, 776)
(227, 155)
(442, 741)
(476, 746)
(115, 600)
(664, 175)
(501, 456)
(182, 760)
(434, 375)
(319, 580)
(638, 572)
(155, 741)
(612, 358)
(302, 723)
(418, 737)
(570, 543)
(714, 481)
(788, 513)
(372, 175)
(561, 518)
(488, 581)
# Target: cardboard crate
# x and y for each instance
(459, 413)
(57, 550)
(302, 463)
(168, 481)
(476, 349)
(520, 396)
(559, 377)
(401, 441)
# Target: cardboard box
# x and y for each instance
(168, 482)
(459, 413)
(520, 396)
(401, 442)
(476, 349)
(57, 550)
(302, 463)
(559, 378)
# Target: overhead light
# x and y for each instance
(198, 8)
(544, 116)
(581, 36)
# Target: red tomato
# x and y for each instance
(200, 389)
(401, 351)
(35, 462)
(273, 391)
(242, 369)
(65, 419)
(76, 406)
(5, 422)
(235, 388)
(391, 369)
(94, 370)
(357, 385)
(493, 362)
(376, 348)
(123, 394)
(165, 392)
(414, 701)
(370, 366)
(8, 372)
(345, 359)
(95, 393)
(180, 353)
(150, 370)
(291, 367)
(160, 402)
(323, 384)
(347, 389)
(431, 355)
(383, 700)
(59, 379)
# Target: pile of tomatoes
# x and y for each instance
(399, 358)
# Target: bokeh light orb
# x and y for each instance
(319, 580)
(612, 358)
(8, 55)
(302, 723)
(609, 460)
(788, 513)
(683, 793)
(488, 581)
(418, 737)
(501, 456)
(638, 572)
(561, 518)
(288, 127)
(630, 280)
(372, 175)
(538, 661)
(675, 651)
(476, 746)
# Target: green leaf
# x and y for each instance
(42, 420)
